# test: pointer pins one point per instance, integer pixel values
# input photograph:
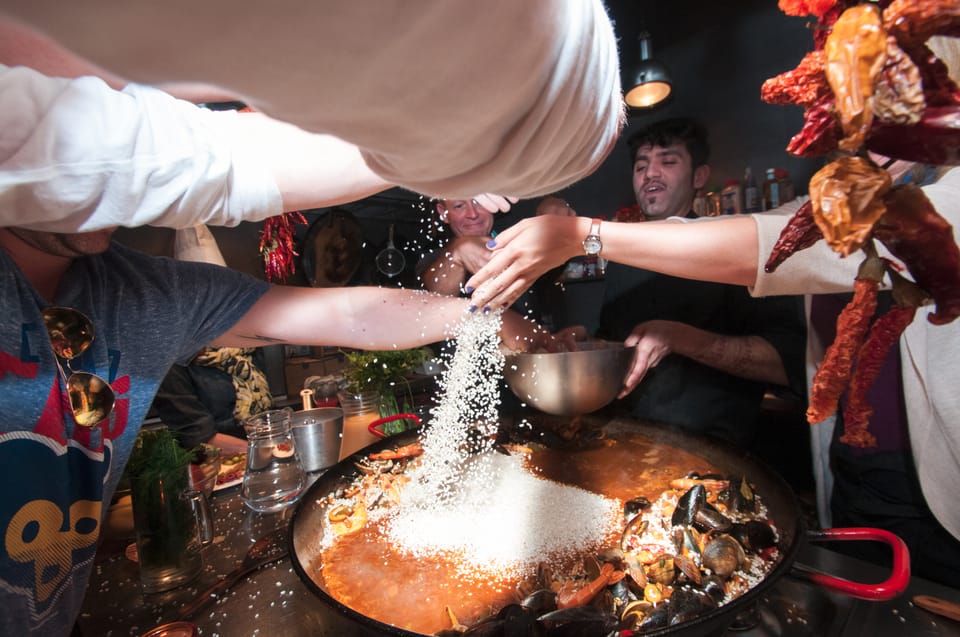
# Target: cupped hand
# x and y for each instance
(495, 203)
(654, 341)
(521, 254)
(471, 253)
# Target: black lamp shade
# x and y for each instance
(651, 81)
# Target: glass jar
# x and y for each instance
(359, 410)
(273, 478)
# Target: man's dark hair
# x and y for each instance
(667, 132)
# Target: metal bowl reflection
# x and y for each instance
(569, 383)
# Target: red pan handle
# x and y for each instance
(886, 590)
(372, 427)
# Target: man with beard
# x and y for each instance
(706, 352)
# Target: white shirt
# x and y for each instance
(445, 98)
(928, 358)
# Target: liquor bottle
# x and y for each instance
(772, 194)
(731, 198)
(752, 198)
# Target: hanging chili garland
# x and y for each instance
(276, 245)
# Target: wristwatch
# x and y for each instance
(592, 245)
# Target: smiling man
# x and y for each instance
(706, 352)
(471, 225)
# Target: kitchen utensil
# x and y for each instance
(939, 606)
(308, 529)
(569, 383)
(266, 550)
(332, 249)
(317, 432)
(390, 261)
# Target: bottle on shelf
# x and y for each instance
(787, 192)
(772, 191)
(731, 198)
(752, 197)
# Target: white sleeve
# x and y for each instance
(76, 155)
(445, 97)
(820, 270)
(814, 270)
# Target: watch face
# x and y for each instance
(592, 245)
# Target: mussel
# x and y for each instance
(754, 535)
(723, 555)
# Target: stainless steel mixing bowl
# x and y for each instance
(569, 383)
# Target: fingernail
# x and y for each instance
(468, 289)
(503, 305)
(472, 308)
(486, 309)
(492, 243)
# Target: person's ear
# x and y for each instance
(442, 211)
(700, 176)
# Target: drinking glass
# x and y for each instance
(274, 477)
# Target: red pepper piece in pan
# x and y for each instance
(923, 240)
(834, 372)
(800, 233)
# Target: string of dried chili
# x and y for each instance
(834, 372)
(800, 233)
(277, 245)
(884, 333)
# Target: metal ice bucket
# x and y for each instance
(569, 383)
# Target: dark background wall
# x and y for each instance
(719, 53)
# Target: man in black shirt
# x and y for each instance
(706, 352)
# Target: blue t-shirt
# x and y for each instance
(148, 312)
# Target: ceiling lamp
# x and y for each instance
(651, 84)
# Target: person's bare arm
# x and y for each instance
(311, 171)
(450, 269)
(750, 357)
(722, 251)
(365, 318)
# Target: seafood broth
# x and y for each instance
(367, 572)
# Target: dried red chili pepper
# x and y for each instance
(800, 233)
(803, 86)
(820, 133)
(854, 57)
(277, 245)
(834, 372)
(913, 22)
(923, 240)
(806, 7)
(884, 334)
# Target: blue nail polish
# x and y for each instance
(492, 243)
(472, 308)
(486, 309)
(468, 289)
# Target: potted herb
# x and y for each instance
(170, 519)
(384, 373)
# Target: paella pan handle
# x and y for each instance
(882, 591)
(372, 427)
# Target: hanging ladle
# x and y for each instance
(390, 261)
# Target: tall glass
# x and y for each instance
(172, 523)
(359, 410)
(273, 478)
